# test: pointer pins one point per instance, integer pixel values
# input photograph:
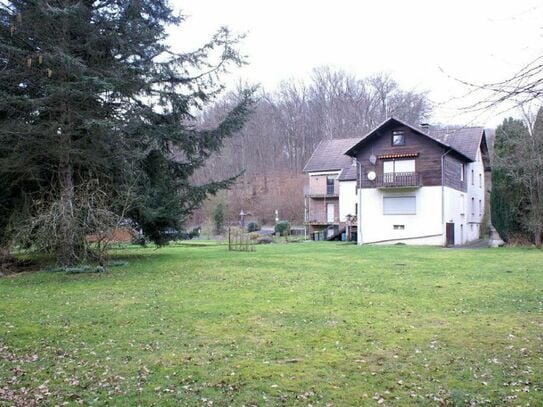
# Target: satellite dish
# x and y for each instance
(371, 175)
(373, 159)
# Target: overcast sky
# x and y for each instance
(414, 41)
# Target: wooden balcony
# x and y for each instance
(329, 192)
(394, 180)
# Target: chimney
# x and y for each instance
(425, 127)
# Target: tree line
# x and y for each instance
(288, 123)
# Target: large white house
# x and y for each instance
(400, 183)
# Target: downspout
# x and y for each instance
(443, 190)
(359, 214)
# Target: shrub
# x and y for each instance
(195, 233)
(218, 218)
(283, 228)
(252, 227)
(254, 236)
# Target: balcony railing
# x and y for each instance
(329, 192)
(394, 180)
(319, 220)
(321, 195)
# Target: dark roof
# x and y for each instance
(330, 155)
(348, 174)
(465, 141)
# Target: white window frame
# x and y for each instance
(393, 162)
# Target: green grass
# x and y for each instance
(295, 324)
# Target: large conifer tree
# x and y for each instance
(90, 94)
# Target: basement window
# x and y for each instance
(399, 227)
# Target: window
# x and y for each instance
(462, 208)
(399, 205)
(356, 209)
(462, 172)
(472, 206)
(480, 181)
(398, 138)
(388, 167)
(392, 167)
(480, 207)
(472, 177)
(399, 227)
(330, 185)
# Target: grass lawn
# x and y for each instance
(290, 324)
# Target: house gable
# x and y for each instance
(440, 137)
(416, 146)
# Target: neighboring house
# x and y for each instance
(400, 183)
(324, 212)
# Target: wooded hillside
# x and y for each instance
(285, 128)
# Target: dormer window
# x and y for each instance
(398, 138)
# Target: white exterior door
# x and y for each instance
(330, 213)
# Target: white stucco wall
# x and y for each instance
(467, 225)
(347, 199)
(477, 191)
(435, 206)
(425, 227)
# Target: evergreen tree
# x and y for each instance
(218, 218)
(507, 196)
(91, 95)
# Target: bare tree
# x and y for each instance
(93, 212)
(523, 87)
